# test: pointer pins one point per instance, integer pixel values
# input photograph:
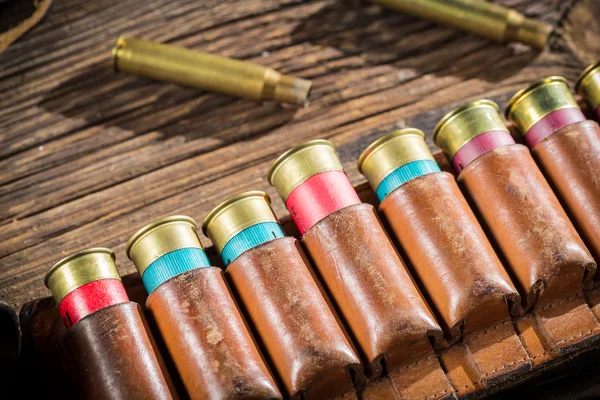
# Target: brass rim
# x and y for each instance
(452, 114)
(392, 151)
(121, 41)
(282, 158)
(80, 268)
(161, 237)
(298, 164)
(589, 71)
(526, 90)
(155, 224)
(75, 255)
(384, 139)
(234, 199)
(236, 214)
(463, 124)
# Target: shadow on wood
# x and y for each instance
(100, 96)
(381, 36)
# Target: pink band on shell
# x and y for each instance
(551, 123)
(478, 146)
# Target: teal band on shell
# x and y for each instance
(248, 238)
(403, 174)
(172, 264)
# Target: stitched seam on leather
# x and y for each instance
(554, 304)
(416, 363)
(544, 354)
(490, 329)
(580, 334)
(398, 396)
(505, 366)
(438, 395)
(432, 397)
(569, 340)
(517, 362)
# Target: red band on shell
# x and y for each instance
(551, 123)
(478, 146)
(91, 297)
(319, 196)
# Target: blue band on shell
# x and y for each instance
(172, 264)
(405, 173)
(249, 238)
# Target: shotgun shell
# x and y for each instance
(311, 180)
(166, 248)
(588, 87)
(471, 131)
(396, 158)
(208, 72)
(85, 282)
(271, 278)
(482, 18)
(356, 261)
(196, 314)
(514, 201)
(240, 223)
(542, 108)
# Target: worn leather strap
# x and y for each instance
(570, 160)
(202, 326)
(526, 220)
(371, 287)
(299, 332)
(450, 254)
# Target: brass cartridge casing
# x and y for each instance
(391, 151)
(531, 104)
(161, 237)
(208, 72)
(479, 17)
(78, 269)
(466, 122)
(236, 214)
(588, 85)
(302, 162)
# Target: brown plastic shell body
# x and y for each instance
(115, 358)
(371, 287)
(570, 160)
(207, 338)
(301, 335)
(449, 252)
(538, 241)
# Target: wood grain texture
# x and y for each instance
(88, 155)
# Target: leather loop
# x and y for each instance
(463, 278)
(371, 287)
(207, 338)
(114, 357)
(293, 321)
(570, 160)
(539, 243)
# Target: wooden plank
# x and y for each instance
(88, 156)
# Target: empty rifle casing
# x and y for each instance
(208, 71)
(112, 354)
(479, 17)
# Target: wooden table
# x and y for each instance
(88, 155)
